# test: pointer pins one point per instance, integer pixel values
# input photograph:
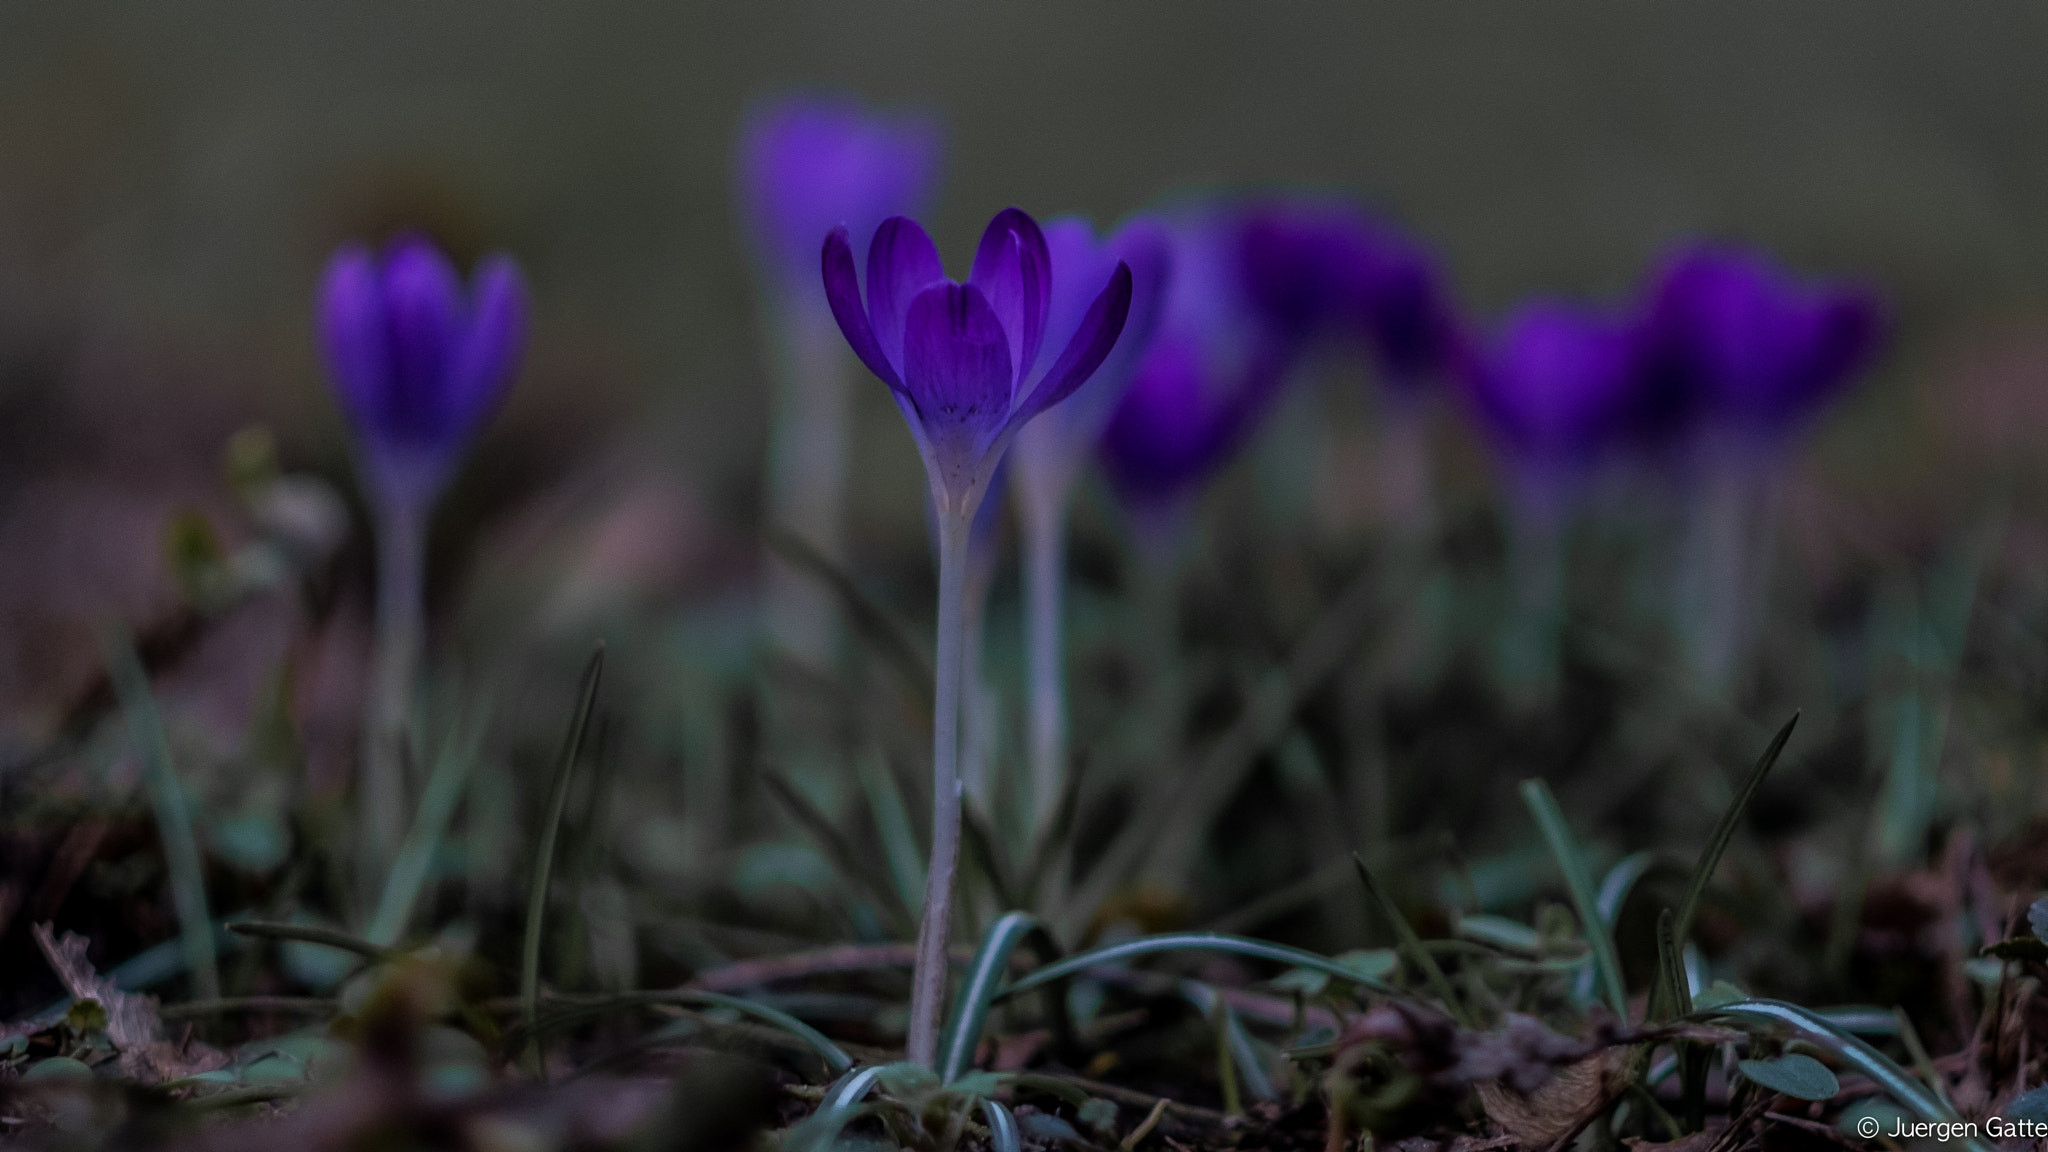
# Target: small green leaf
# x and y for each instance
(58, 1068)
(86, 1016)
(1099, 1116)
(1715, 995)
(1794, 1075)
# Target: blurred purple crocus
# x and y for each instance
(1052, 450)
(1326, 267)
(1210, 371)
(807, 163)
(1748, 348)
(962, 361)
(1745, 355)
(1554, 390)
(418, 361)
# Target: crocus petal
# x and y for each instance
(1085, 353)
(842, 292)
(902, 262)
(1013, 269)
(956, 364)
(491, 349)
(424, 309)
(353, 333)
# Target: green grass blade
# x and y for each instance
(1565, 849)
(1412, 948)
(978, 992)
(173, 820)
(312, 934)
(586, 1008)
(1002, 1127)
(892, 824)
(551, 827)
(445, 789)
(1672, 997)
(1815, 1029)
(1619, 882)
(1710, 856)
(1244, 1059)
(1191, 942)
(874, 623)
(856, 867)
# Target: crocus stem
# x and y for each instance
(1045, 561)
(807, 475)
(401, 590)
(928, 982)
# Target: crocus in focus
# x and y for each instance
(418, 361)
(1744, 355)
(961, 360)
(1052, 450)
(807, 164)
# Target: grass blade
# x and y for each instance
(854, 866)
(580, 1009)
(445, 789)
(313, 934)
(1243, 1057)
(978, 992)
(1412, 948)
(892, 824)
(1814, 1029)
(173, 820)
(1191, 942)
(1710, 856)
(1558, 834)
(1002, 1127)
(551, 827)
(869, 619)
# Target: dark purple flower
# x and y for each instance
(962, 359)
(1323, 266)
(1554, 390)
(1051, 449)
(1740, 342)
(809, 163)
(1210, 371)
(418, 360)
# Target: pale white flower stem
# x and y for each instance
(928, 982)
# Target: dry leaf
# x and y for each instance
(132, 1023)
(1538, 1118)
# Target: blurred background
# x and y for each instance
(173, 177)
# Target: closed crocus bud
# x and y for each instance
(418, 359)
(1326, 268)
(1554, 390)
(1745, 347)
(1211, 369)
(809, 163)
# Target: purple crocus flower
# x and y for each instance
(417, 360)
(1747, 347)
(1554, 390)
(961, 358)
(1210, 371)
(811, 162)
(1324, 266)
(1051, 450)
